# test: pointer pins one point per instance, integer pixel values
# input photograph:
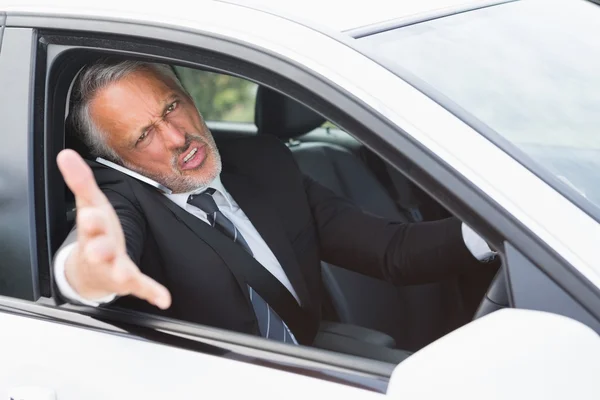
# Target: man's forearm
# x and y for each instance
(429, 252)
(396, 251)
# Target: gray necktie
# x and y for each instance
(270, 324)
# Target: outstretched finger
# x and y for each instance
(130, 281)
(153, 292)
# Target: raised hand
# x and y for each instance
(98, 264)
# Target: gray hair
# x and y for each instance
(95, 77)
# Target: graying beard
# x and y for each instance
(182, 184)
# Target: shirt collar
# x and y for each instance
(181, 198)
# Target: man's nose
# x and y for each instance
(172, 135)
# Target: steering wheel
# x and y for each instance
(496, 296)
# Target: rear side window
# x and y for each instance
(220, 97)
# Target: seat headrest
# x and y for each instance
(281, 116)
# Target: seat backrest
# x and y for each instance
(355, 298)
(412, 315)
(333, 166)
(341, 171)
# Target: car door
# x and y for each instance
(67, 352)
(86, 358)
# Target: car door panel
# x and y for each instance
(80, 363)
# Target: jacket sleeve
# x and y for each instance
(132, 222)
(399, 252)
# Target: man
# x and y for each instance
(237, 237)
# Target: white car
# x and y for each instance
(486, 110)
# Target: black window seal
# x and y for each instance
(39, 175)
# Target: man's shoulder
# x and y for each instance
(112, 180)
(105, 174)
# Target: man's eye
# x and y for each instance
(143, 136)
(171, 107)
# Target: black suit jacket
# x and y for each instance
(301, 221)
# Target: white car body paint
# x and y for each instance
(324, 13)
(509, 354)
(85, 364)
(327, 13)
(506, 355)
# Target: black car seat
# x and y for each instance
(412, 315)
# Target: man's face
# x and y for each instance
(157, 131)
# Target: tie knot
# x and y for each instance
(204, 201)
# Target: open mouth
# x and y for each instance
(190, 155)
(193, 158)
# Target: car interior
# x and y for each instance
(339, 162)
(408, 317)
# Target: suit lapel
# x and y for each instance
(258, 208)
(222, 245)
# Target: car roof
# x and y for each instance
(342, 15)
(335, 15)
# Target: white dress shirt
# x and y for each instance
(261, 251)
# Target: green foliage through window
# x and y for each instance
(219, 97)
